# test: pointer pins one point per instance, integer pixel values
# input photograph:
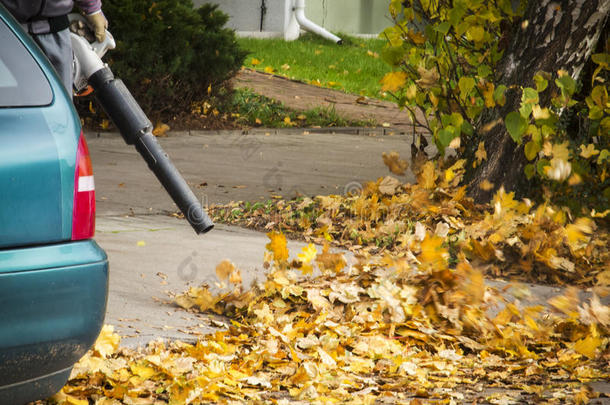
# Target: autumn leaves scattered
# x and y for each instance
(384, 328)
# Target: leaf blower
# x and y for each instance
(128, 117)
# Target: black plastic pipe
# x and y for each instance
(136, 129)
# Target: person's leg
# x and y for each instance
(58, 48)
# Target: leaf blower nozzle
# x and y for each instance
(136, 129)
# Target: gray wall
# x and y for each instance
(349, 16)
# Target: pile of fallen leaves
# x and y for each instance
(511, 238)
(386, 329)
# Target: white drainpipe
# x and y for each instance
(295, 20)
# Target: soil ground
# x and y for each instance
(302, 96)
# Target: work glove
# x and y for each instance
(99, 23)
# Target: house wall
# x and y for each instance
(348, 16)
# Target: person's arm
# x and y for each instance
(93, 12)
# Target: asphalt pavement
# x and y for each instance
(154, 256)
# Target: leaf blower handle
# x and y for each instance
(136, 129)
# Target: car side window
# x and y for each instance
(22, 81)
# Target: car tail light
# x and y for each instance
(83, 214)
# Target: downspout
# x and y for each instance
(263, 13)
(299, 13)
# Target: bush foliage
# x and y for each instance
(445, 54)
(170, 54)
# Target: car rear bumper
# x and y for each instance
(52, 305)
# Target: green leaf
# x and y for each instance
(456, 14)
(446, 135)
(457, 120)
(531, 150)
(443, 27)
(392, 55)
(529, 170)
(596, 113)
(467, 128)
(484, 71)
(566, 84)
(529, 96)
(499, 96)
(466, 84)
(525, 110)
(602, 59)
(603, 155)
(541, 83)
(599, 95)
(516, 125)
(540, 165)
(475, 33)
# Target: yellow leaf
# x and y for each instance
(62, 398)
(481, 153)
(587, 346)
(540, 113)
(330, 261)
(224, 269)
(486, 185)
(588, 151)
(235, 277)
(428, 175)
(107, 342)
(488, 95)
(255, 62)
(258, 121)
(285, 66)
(278, 246)
(269, 69)
(393, 161)
(160, 129)
(433, 254)
(308, 253)
(105, 124)
(411, 91)
(143, 370)
(428, 78)
(393, 81)
(561, 151)
(264, 314)
(578, 233)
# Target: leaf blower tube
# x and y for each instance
(136, 129)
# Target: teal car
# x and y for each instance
(53, 276)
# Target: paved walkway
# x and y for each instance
(301, 96)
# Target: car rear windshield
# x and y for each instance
(22, 82)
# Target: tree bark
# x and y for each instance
(552, 35)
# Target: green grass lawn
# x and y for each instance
(355, 67)
(255, 110)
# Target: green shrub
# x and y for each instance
(169, 54)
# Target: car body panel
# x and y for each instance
(39, 145)
(55, 313)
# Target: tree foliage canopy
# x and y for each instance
(452, 60)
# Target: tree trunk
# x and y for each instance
(552, 35)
